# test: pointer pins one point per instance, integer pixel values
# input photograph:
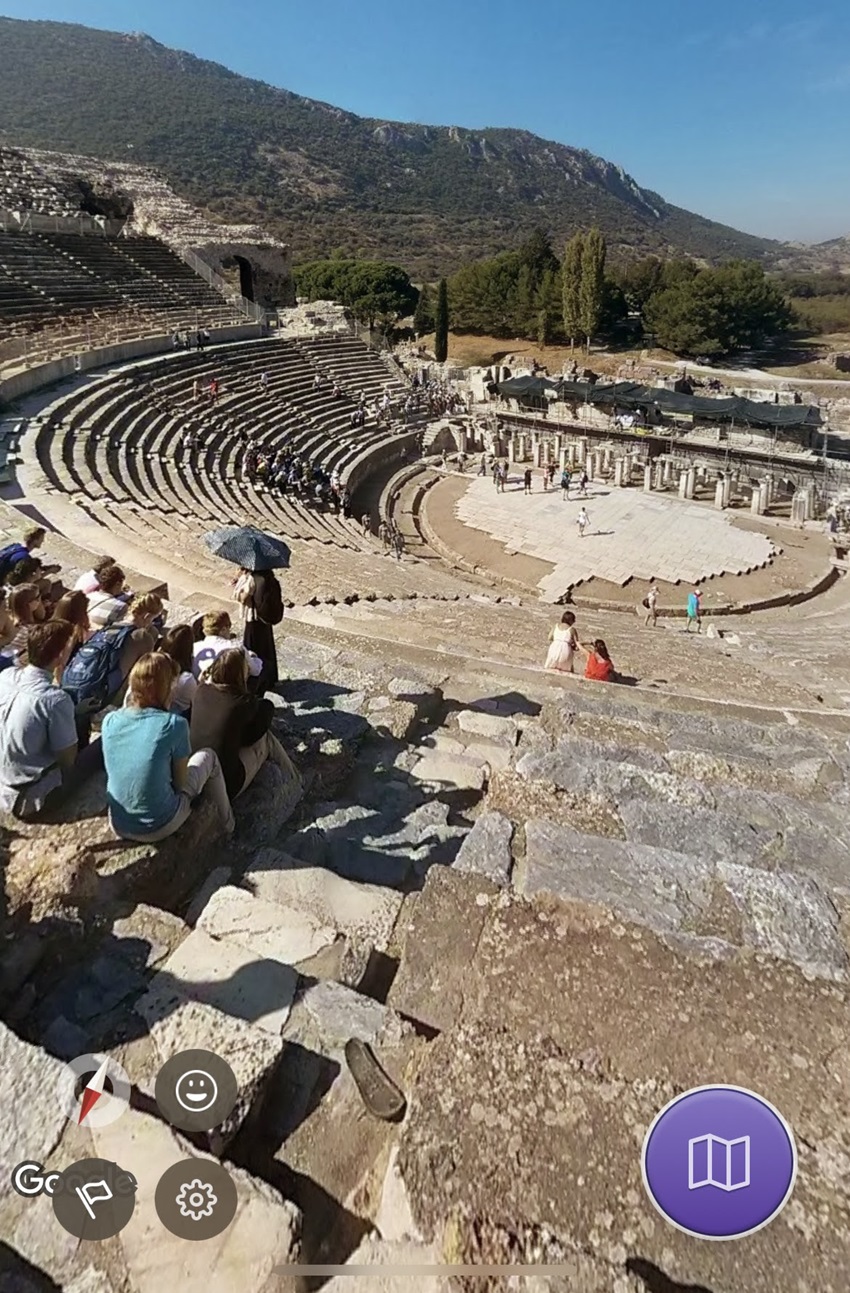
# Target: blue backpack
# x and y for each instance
(9, 558)
(93, 673)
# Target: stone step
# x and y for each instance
(263, 1236)
(361, 912)
(271, 931)
(790, 771)
(716, 905)
(226, 975)
(385, 848)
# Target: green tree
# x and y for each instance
(375, 292)
(423, 318)
(571, 286)
(592, 286)
(441, 323)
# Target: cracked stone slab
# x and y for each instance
(487, 849)
(456, 770)
(660, 888)
(269, 930)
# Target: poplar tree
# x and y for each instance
(592, 286)
(441, 324)
(571, 274)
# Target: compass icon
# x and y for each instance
(93, 1090)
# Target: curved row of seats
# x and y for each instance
(118, 446)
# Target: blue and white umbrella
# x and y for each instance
(248, 547)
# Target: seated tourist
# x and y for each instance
(97, 673)
(109, 602)
(38, 737)
(89, 581)
(179, 643)
(218, 637)
(74, 609)
(15, 552)
(600, 666)
(152, 776)
(228, 719)
(25, 610)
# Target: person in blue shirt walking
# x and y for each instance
(694, 610)
(152, 777)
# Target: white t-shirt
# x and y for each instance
(183, 693)
(86, 583)
(207, 650)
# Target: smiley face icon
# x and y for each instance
(196, 1091)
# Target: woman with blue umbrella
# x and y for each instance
(258, 555)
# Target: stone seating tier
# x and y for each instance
(116, 447)
(43, 276)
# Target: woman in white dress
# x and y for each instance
(563, 646)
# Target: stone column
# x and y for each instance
(764, 496)
(647, 478)
(683, 484)
(572, 453)
(619, 472)
(582, 452)
(720, 495)
(756, 506)
(667, 473)
(690, 482)
(565, 458)
(512, 449)
(727, 489)
(606, 459)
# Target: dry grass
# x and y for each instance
(467, 351)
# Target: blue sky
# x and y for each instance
(735, 109)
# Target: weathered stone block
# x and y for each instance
(269, 930)
(487, 849)
(225, 975)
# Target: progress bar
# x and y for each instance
(423, 1270)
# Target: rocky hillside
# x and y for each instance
(432, 197)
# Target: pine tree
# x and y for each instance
(423, 318)
(441, 324)
(592, 289)
(572, 286)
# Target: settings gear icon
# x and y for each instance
(196, 1199)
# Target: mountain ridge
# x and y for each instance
(321, 177)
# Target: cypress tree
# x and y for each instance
(572, 286)
(423, 318)
(441, 324)
(592, 289)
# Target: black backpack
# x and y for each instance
(93, 673)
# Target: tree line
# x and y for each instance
(581, 298)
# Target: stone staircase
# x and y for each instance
(546, 910)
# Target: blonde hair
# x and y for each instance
(216, 624)
(145, 604)
(151, 680)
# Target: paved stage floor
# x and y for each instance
(631, 535)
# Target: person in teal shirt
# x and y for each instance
(152, 777)
(694, 610)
